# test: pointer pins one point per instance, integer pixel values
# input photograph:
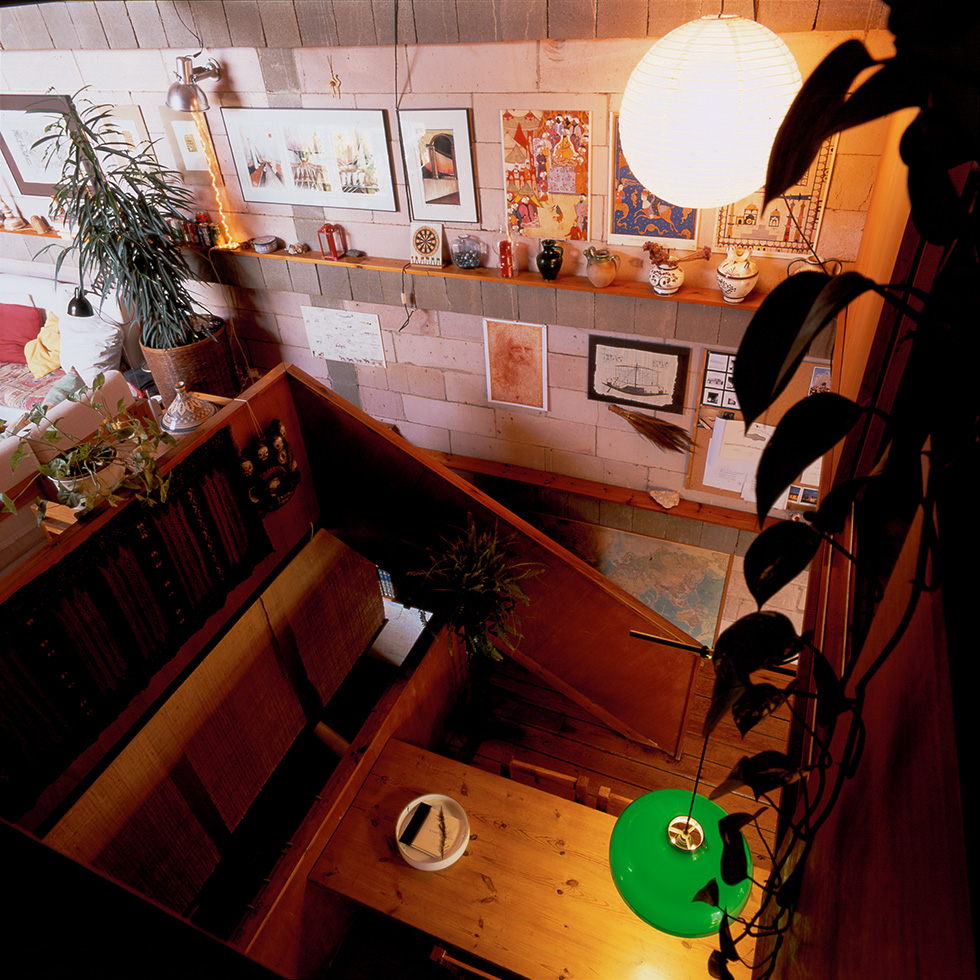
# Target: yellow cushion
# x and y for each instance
(44, 352)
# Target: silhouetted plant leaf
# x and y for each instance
(725, 941)
(762, 773)
(831, 516)
(777, 556)
(882, 93)
(718, 967)
(788, 894)
(835, 295)
(728, 688)
(761, 373)
(734, 859)
(757, 702)
(808, 430)
(709, 894)
(831, 700)
(811, 117)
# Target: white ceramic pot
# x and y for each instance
(666, 278)
(737, 275)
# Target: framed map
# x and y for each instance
(637, 215)
(790, 225)
(547, 172)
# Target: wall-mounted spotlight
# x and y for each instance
(185, 95)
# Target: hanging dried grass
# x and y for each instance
(664, 435)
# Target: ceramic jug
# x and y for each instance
(602, 267)
(737, 275)
(549, 259)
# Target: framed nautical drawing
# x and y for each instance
(331, 158)
(437, 149)
(636, 372)
(637, 215)
(790, 224)
(547, 172)
(22, 120)
(516, 358)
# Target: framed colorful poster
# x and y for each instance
(790, 225)
(635, 372)
(437, 148)
(330, 158)
(22, 120)
(516, 357)
(637, 215)
(547, 172)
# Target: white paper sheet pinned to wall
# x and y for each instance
(344, 335)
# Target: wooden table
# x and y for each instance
(533, 892)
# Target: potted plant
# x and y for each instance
(120, 204)
(119, 455)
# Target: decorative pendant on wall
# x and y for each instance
(269, 469)
(547, 168)
(790, 225)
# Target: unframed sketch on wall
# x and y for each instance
(516, 362)
(547, 172)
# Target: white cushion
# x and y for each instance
(90, 345)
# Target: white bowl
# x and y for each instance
(454, 850)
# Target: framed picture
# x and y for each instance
(186, 141)
(128, 120)
(637, 215)
(331, 158)
(790, 224)
(635, 372)
(547, 172)
(437, 149)
(516, 357)
(35, 170)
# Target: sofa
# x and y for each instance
(83, 348)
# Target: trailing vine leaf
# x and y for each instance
(831, 699)
(718, 967)
(709, 894)
(788, 894)
(762, 639)
(808, 430)
(777, 556)
(734, 860)
(761, 374)
(755, 703)
(831, 516)
(762, 773)
(725, 941)
(812, 116)
(837, 292)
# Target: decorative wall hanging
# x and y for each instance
(269, 470)
(547, 172)
(791, 223)
(33, 169)
(635, 372)
(516, 357)
(636, 214)
(331, 158)
(437, 149)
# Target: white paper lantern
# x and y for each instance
(701, 110)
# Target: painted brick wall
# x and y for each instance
(477, 55)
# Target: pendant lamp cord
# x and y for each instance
(697, 779)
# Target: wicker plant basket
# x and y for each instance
(206, 365)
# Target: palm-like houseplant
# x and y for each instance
(120, 203)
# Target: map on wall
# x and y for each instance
(547, 168)
(681, 582)
(789, 223)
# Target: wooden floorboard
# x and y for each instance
(535, 723)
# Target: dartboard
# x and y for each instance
(425, 241)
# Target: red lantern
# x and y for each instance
(329, 236)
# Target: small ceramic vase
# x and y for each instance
(666, 278)
(737, 275)
(466, 252)
(549, 259)
(602, 267)
(186, 411)
(830, 267)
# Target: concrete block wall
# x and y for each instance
(481, 56)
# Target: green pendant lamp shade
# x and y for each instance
(658, 878)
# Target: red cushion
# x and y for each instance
(18, 325)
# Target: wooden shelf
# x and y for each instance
(638, 289)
